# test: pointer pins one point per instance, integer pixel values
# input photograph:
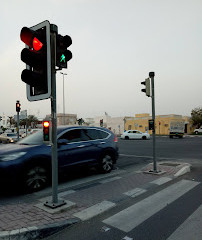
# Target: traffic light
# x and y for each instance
(62, 54)
(18, 105)
(37, 56)
(80, 121)
(46, 131)
(101, 122)
(147, 89)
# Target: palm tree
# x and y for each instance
(11, 120)
(32, 121)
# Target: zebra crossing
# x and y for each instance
(144, 209)
(135, 215)
(168, 214)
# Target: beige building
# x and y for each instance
(65, 119)
(162, 123)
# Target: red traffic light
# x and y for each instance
(37, 45)
(28, 36)
(18, 105)
(46, 124)
(46, 131)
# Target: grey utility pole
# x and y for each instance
(151, 75)
(63, 98)
(55, 202)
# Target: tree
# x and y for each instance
(11, 121)
(32, 121)
(23, 122)
(196, 117)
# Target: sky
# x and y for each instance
(115, 44)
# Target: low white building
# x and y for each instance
(115, 124)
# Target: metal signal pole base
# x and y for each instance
(52, 205)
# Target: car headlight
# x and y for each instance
(12, 156)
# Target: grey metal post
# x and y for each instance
(54, 121)
(63, 98)
(151, 75)
(55, 203)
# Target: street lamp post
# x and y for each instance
(63, 98)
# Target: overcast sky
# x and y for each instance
(116, 43)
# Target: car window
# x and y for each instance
(129, 131)
(96, 134)
(75, 135)
(104, 134)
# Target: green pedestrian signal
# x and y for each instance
(62, 54)
(62, 58)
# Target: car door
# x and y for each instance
(131, 134)
(74, 148)
(137, 135)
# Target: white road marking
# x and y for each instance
(135, 192)
(161, 180)
(94, 210)
(190, 229)
(110, 179)
(131, 217)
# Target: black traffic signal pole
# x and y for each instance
(55, 202)
(18, 109)
(151, 75)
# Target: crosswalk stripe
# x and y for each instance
(135, 192)
(94, 210)
(110, 179)
(191, 228)
(161, 180)
(134, 215)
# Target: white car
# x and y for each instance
(135, 134)
(198, 130)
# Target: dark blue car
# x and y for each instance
(28, 162)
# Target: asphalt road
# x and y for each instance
(141, 151)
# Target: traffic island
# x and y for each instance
(170, 168)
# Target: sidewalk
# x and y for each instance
(28, 218)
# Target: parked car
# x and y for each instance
(135, 134)
(198, 130)
(8, 137)
(29, 161)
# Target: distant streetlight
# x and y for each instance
(63, 98)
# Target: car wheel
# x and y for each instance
(106, 163)
(196, 132)
(126, 137)
(144, 138)
(36, 178)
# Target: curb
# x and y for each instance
(41, 232)
(183, 170)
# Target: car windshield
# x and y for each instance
(34, 139)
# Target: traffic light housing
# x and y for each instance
(62, 54)
(80, 121)
(147, 85)
(101, 122)
(37, 56)
(46, 131)
(18, 105)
